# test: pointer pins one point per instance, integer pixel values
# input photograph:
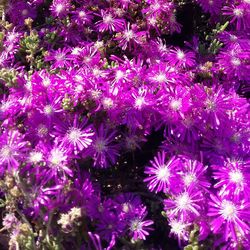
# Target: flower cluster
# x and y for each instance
(116, 126)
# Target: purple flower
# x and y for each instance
(60, 57)
(213, 7)
(103, 148)
(109, 22)
(193, 173)
(19, 10)
(239, 14)
(229, 217)
(180, 58)
(139, 228)
(161, 173)
(74, 134)
(13, 149)
(60, 8)
(81, 16)
(109, 225)
(130, 205)
(186, 205)
(179, 229)
(232, 178)
(130, 37)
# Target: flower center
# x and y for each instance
(42, 130)
(48, 110)
(108, 103)
(136, 225)
(95, 94)
(236, 176)
(175, 104)
(108, 19)
(128, 34)
(46, 82)
(60, 57)
(56, 157)
(238, 12)
(211, 105)
(139, 102)
(100, 145)
(6, 151)
(228, 210)
(163, 173)
(74, 134)
(189, 178)
(35, 157)
(180, 55)
(177, 227)
(82, 14)
(125, 207)
(236, 61)
(119, 75)
(160, 77)
(59, 8)
(183, 201)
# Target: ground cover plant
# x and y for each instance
(124, 124)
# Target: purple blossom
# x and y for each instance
(109, 22)
(60, 8)
(13, 149)
(230, 217)
(103, 148)
(140, 228)
(161, 173)
(74, 134)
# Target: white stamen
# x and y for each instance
(56, 157)
(189, 178)
(180, 55)
(35, 157)
(163, 173)
(108, 19)
(183, 201)
(175, 104)
(107, 103)
(74, 134)
(59, 8)
(236, 176)
(228, 210)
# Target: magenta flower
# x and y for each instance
(161, 173)
(60, 8)
(13, 149)
(74, 134)
(179, 229)
(216, 105)
(81, 16)
(110, 225)
(103, 148)
(139, 228)
(185, 205)
(130, 205)
(19, 10)
(193, 173)
(60, 58)
(229, 217)
(180, 58)
(213, 7)
(130, 37)
(57, 162)
(239, 14)
(109, 22)
(232, 178)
